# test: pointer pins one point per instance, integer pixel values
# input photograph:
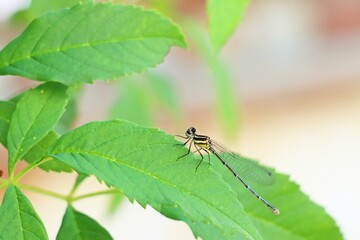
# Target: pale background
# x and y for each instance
(296, 67)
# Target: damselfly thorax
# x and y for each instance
(239, 166)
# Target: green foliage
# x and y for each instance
(300, 218)
(88, 42)
(91, 41)
(224, 16)
(78, 226)
(6, 111)
(147, 175)
(39, 7)
(18, 220)
(39, 151)
(36, 114)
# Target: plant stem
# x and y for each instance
(80, 178)
(69, 198)
(42, 191)
(111, 191)
(28, 168)
(3, 183)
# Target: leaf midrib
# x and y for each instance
(77, 226)
(28, 130)
(82, 45)
(19, 211)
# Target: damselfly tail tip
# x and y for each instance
(276, 211)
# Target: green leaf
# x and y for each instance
(15, 99)
(78, 226)
(6, 111)
(142, 162)
(39, 7)
(40, 150)
(224, 16)
(37, 152)
(19, 220)
(88, 42)
(36, 114)
(299, 219)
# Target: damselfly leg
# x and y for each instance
(235, 163)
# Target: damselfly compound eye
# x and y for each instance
(239, 166)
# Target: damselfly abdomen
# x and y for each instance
(240, 167)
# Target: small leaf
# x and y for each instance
(37, 152)
(88, 42)
(142, 163)
(36, 114)
(224, 16)
(6, 111)
(300, 218)
(78, 226)
(19, 220)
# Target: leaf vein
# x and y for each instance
(151, 175)
(55, 20)
(82, 61)
(33, 55)
(37, 59)
(27, 130)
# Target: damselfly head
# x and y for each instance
(190, 132)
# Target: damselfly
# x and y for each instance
(233, 161)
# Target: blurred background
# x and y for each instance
(286, 91)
